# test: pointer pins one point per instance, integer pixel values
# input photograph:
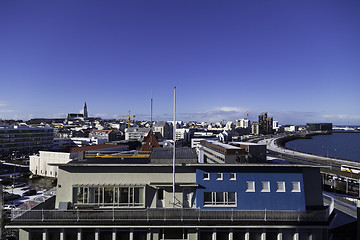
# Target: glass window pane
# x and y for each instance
(116, 193)
(219, 198)
(131, 196)
(80, 195)
(108, 195)
(265, 186)
(92, 195)
(295, 186)
(124, 195)
(232, 198)
(280, 186)
(207, 197)
(136, 195)
(250, 186)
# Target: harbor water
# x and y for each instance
(335, 145)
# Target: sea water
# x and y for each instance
(335, 145)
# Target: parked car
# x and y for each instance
(29, 192)
(9, 207)
(10, 196)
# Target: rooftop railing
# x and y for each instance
(170, 214)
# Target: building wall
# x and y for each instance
(256, 200)
(152, 177)
(39, 165)
(25, 139)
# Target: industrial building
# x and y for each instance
(319, 126)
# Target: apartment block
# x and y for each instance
(24, 139)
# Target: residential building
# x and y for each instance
(255, 128)
(109, 134)
(262, 122)
(183, 134)
(164, 129)
(276, 126)
(291, 128)
(40, 164)
(217, 152)
(136, 133)
(243, 123)
(256, 153)
(23, 139)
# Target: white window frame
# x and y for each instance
(208, 176)
(225, 197)
(221, 176)
(233, 177)
(252, 189)
(283, 186)
(265, 186)
(298, 186)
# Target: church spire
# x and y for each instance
(85, 111)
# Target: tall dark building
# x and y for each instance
(265, 124)
(262, 122)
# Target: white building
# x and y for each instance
(182, 134)
(39, 163)
(243, 122)
(291, 128)
(136, 133)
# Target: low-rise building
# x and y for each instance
(136, 133)
(217, 152)
(42, 163)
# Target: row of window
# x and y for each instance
(265, 185)
(280, 186)
(219, 198)
(219, 176)
(119, 196)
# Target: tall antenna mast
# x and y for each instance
(151, 122)
(174, 137)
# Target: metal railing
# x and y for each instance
(28, 205)
(169, 214)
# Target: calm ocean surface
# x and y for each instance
(338, 145)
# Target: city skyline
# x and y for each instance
(296, 60)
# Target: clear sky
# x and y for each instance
(298, 60)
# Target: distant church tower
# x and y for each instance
(85, 112)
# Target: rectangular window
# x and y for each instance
(206, 176)
(265, 186)
(295, 187)
(232, 176)
(219, 198)
(280, 186)
(219, 176)
(250, 186)
(105, 196)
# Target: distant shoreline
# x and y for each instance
(281, 142)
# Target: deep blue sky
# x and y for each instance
(297, 60)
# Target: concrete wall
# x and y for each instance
(39, 165)
(153, 177)
(312, 187)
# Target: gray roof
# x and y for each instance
(182, 155)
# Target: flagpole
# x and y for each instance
(174, 138)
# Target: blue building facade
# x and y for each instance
(249, 188)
